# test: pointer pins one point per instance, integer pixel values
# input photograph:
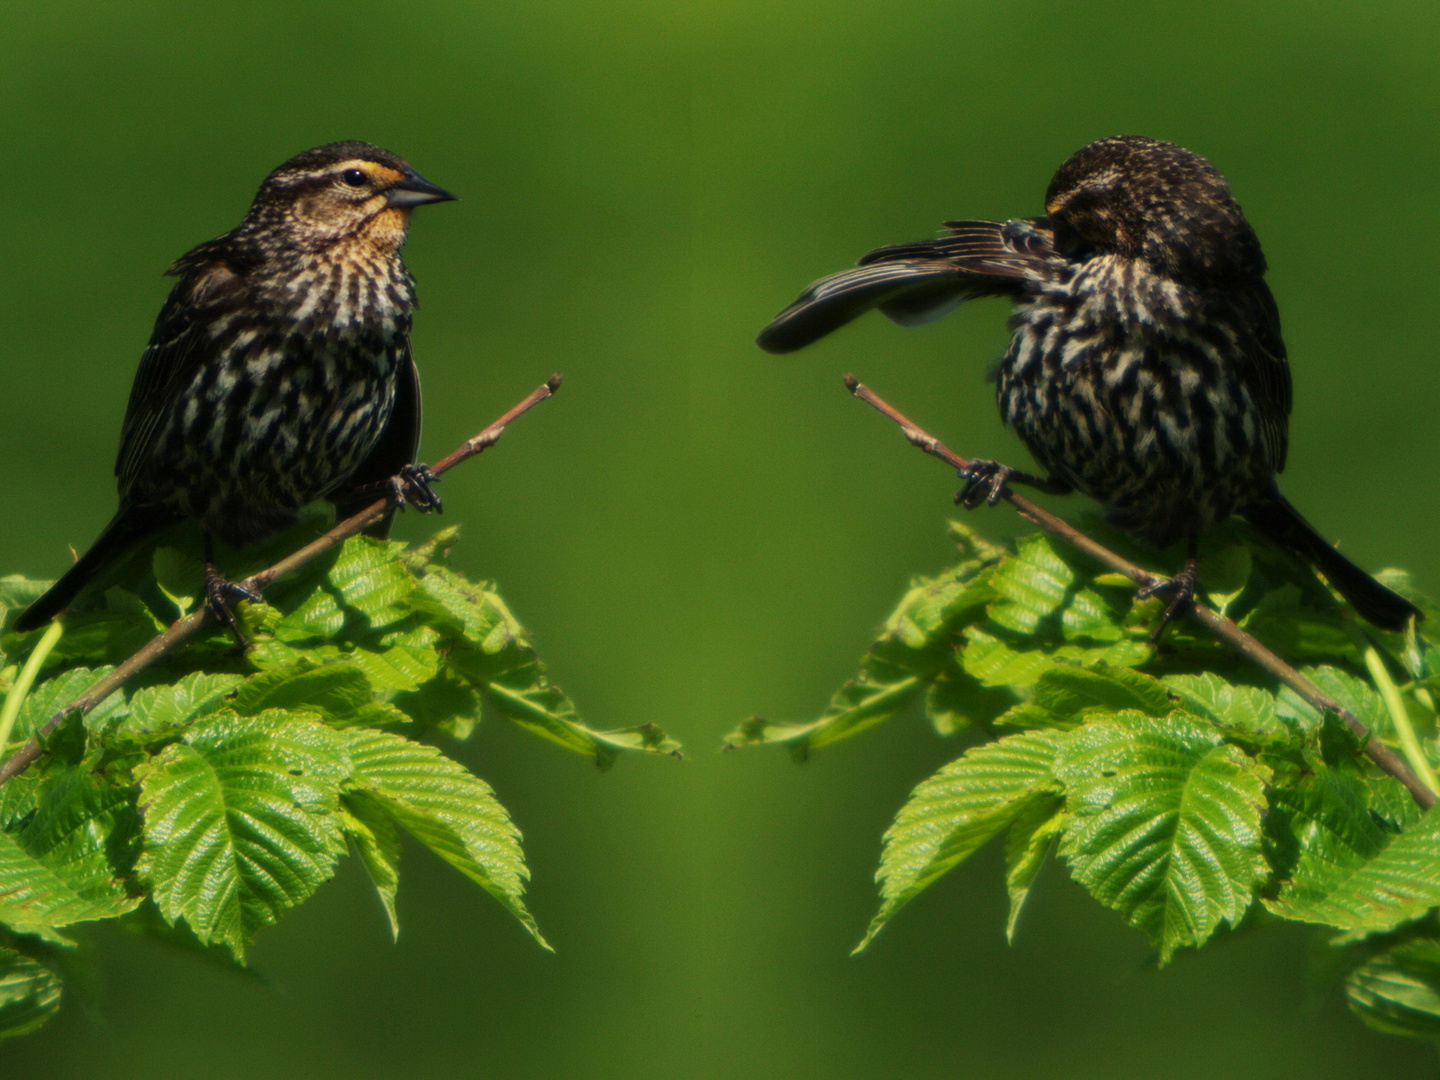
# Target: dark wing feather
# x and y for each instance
(1264, 366)
(396, 448)
(916, 282)
(210, 284)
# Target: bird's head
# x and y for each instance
(1140, 198)
(343, 191)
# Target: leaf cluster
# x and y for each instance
(219, 791)
(1179, 786)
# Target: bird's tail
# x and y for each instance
(126, 527)
(1282, 523)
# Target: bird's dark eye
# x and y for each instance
(355, 177)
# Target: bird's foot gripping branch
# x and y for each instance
(197, 795)
(1200, 784)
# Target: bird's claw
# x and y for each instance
(984, 482)
(411, 487)
(219, 595)
(1180, 589)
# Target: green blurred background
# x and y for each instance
(694, 530)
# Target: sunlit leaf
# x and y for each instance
(857, 705)
(1026, 845)
(448, 809)
(949, 816)
(377, 842)
(1238, 710)
(166, 707)
(1031, 585)
(932, 605)
(54, 694)
(1398, 992)
(1164, 824)
(367, 586)
(1348, 691)
(1073, 692)
(241, 822)
(29, 994)
(1343, 880)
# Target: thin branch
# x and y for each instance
(1211, 620)
(187, 627)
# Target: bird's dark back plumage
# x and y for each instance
(273, 372)
(1146, 366)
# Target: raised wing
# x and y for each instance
(920, 281)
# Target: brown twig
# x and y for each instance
(186, 628)
(1211, 620)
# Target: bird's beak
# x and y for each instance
(415, 190)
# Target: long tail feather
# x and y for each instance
(126, 527)
(1281, 522)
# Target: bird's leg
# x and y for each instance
(219, 593)
(411, 487)
(1180, 589)
(985, 481)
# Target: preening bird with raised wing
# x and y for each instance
(1146, 367)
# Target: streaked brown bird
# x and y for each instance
(279, 371)
(1146, 368)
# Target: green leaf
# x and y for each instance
(1362, 883)
(1026, 845)
(1398, 992)
(377, 843)
(472, 609)
(63, 866)
(1349, 691)
(1319, 829)
(165, 708)
(949, 816)
(973, 545)
(927, 612)
(404, 664)
(1032, 584)
(340, 691)
(446, 703)
(367, 587)
(1089, 617)
(1224, 574)
(1074, 692)
(955, 701)
(446, 808)
(545, 709)
(29, 994)
(18, 592)
(241, 822)
(514, 680)
(857, 705)
(1165, 824)
(995, 663)
(1244, 712)
(179, 576)
(56, 693)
